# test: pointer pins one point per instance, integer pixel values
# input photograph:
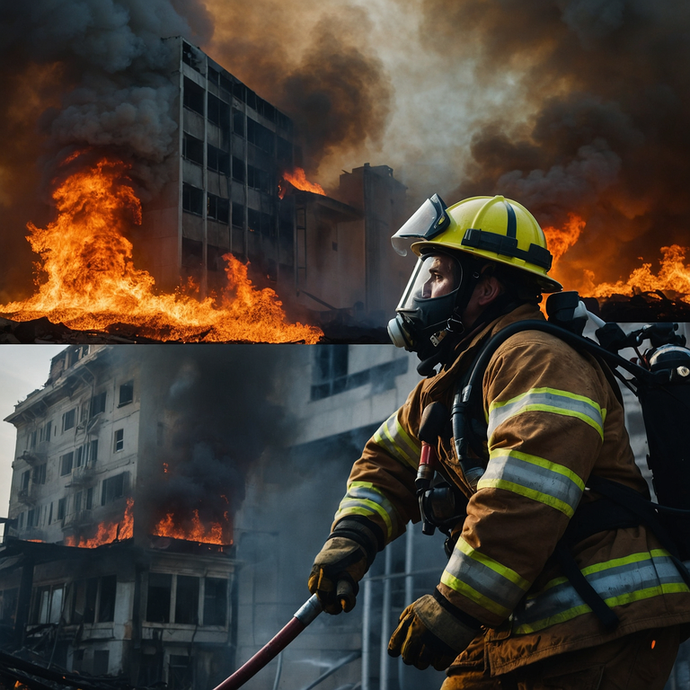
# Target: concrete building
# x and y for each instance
(226, 194)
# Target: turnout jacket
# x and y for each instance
(553, 419)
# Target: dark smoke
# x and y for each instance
(82, 74)
(599, 124)
(218, 420)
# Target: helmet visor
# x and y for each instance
(428, 220)
(434, 276)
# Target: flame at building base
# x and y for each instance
(91, 282)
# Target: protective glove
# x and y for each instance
(430, 633)
(343, 562)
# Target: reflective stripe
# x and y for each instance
(363, 498)
(548, 400)
(619, 581)
(483, 580)
(392, 437)
(533, 477)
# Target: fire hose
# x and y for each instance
(300, 620)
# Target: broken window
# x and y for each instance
(215, 601)
(126, 393)
(62, 508)
(66, 462)
(193, 149)
(97, 404)
(84, 601)
(218, 208)
(329, 371)
(193, 97)
(187, 600)
(192, 199)
(39, 474)
(68, 419)
(218, 160)
(158, 600)
(119, 440)
(101, 659)
(113, 488)
(47, 604)
(106, 600)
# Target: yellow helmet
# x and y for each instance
(496, 228)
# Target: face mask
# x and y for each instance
(427, 303)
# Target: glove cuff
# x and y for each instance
(452, 630)
(362, 531)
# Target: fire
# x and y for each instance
(194, 530)
(298, 179)
(90, 281)
(673, 277)
(559, 240)
(107, 533)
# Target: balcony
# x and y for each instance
(32, 458)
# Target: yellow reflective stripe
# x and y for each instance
(550, 400)
(392, 437)
(619, 581)
(483, 580)
(363, 498)
(533, 477)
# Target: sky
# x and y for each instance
(23, 369)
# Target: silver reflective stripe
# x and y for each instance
(620, 581)
(363, 498)
(483, 580)
(393, 438)
(548, 400)
(534, 477)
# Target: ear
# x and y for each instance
(488, 289)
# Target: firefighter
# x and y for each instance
(504, 614)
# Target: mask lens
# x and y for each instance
(435, 275)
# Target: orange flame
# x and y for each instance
(196, 531)
(673, 277)
(107, 533)
(559, 240)
(298, 179)
(91, 282)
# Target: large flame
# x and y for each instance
(672, 278)
(108, 532)
(91, 281)
(194, 529)
(298, 179)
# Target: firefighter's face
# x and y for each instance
(442, 278)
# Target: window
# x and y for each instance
(113, 488)
(77, 501)
(126, 393)
(187, 600)
(238, 215)
(218, 112)
(89, 499)
(32, 439)
(193, 96)
(238, 169)
(66, 462)
(158, 600)
(26, 478)
(238, 122)
(98, 404)
(215, 601)
(218, 160)
(193, 149)
(46, 431)
(68, 419)
(93, 452)
(62, 508)
(106, 599)
(47, 604)
(219, 208)
(329, 372)
(119, 440)
(39, 474)
(260, 136)
(32, 518)
(50, 514)
(192, 199)
(79, 458)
